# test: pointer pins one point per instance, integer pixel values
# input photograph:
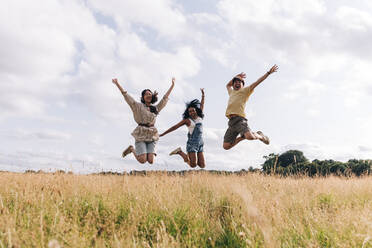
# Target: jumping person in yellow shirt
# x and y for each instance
(238, 97)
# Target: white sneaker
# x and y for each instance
(264, 139)
(175, 151)
(127, 151)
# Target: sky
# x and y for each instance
(60, 111)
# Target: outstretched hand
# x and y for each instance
(242, 75)
(273, 69)
(173, 80)
(115, 81)
(202, 91)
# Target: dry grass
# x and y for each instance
(197, 210)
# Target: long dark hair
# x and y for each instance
(193, 104)
(154, 99)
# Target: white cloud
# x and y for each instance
(58, 58)
(305, 88)
(269, 11)
(12, 105)
(365, 149)
(163, 16)
(354, 19)
(52, 135)
(36, 53)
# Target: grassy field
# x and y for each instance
(196, 210)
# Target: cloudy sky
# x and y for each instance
(59, 109)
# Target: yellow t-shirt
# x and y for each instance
(237, 101)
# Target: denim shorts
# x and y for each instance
(237, 125)
(195, 141)
(194, 147)
(143, 147)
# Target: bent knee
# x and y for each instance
(249, 135)
(142, 159)
(226, 146)
(193, 164)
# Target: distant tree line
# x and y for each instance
(289, 163)
(293, 162)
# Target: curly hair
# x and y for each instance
(193, 104)
(154, 99)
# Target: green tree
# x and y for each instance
(291, 157)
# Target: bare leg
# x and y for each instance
(251, 135)
(228, 146)
(140, 158)
(184, 156)
(150, 158)
(201, 160)
(192, 157)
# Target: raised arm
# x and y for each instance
(164, 100)
(170, 89)
(179, 124)
(202, 99)
(255, 84)
(229, 85)
(116, 82)
(131, 102)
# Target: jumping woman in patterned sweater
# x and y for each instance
(144, 113)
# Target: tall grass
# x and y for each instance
(196, 210)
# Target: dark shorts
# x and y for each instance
(237, 125)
